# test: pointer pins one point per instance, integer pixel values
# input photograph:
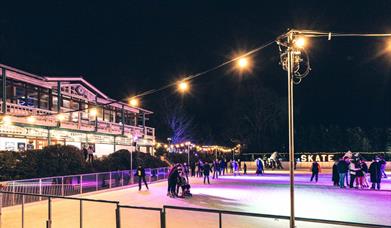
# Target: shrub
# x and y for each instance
(53, 160)
(121, 160)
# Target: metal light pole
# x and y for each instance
(290, 63)
(188, 155)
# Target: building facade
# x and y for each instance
(37, 111)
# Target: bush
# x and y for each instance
(54, 160)
(9, 163)
(60, 160)
(121, 160)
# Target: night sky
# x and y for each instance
(127, 47)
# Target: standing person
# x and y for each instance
(216, 169)
(353, 172)
(200, 166)
(335, 174)
(192, 168)
(265, 165)
(240, 165)
(359, 174)
(235, 168)
(221, 167)
(172, 181)
(186, 171)
(364, 168)
(315, 169)
(225, 166)
(376, 174)
(140, 173)
(90, 152)
(231, 167)
(259, 164)
(383, 164)
(343, 168)
(85, 153)
(244, 168)
(279, 163)
(206, 172)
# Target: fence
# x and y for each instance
(163, 218)
(74, 184)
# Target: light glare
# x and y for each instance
(242, 62)
(300, 42)
(134, 102)
(31, 119)
(93, 112)
(183, 86)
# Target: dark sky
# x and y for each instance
(127, 47)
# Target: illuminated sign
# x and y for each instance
(317, 157)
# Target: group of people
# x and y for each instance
(354, 172)
(88, 153)
(178, 178)
(217, 168)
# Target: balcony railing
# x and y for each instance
(76, 184)
(47, 118)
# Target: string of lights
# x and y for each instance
(200, 148)
(183, 85)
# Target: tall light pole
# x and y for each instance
(290, 62)
(297, 68)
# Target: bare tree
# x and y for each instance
(177, 120)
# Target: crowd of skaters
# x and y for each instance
(354, 171)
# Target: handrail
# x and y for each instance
(206, 210)
(141, 208)
(60, 197)
(324, 221)
(80, 174)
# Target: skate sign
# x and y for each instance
(317, 157)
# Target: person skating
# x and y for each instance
(235, 167)
(244, 168)
(192, 168)
(364, 169)
(259, 164)
(335, 175)
(141, 177)
(206, 172)
(186, 171)
(172, 181)
(216, 169)
(315, 169)
(383, 164)
(376, 174)
(353, 173)
(343, 168)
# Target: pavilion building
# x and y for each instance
(37, 111)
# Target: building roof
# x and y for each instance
(21, 75)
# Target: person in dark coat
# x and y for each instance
(192, 168)
(140, 173)
(172, 181)
(85, 153)
(315, 169)
(206, 172)
(343, 167)
(245, 169)
(376, 174)
(335, 175)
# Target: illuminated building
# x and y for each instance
(37, 111)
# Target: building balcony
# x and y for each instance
(45, 118)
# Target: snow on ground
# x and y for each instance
(268, 194)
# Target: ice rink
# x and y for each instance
(268, 194)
